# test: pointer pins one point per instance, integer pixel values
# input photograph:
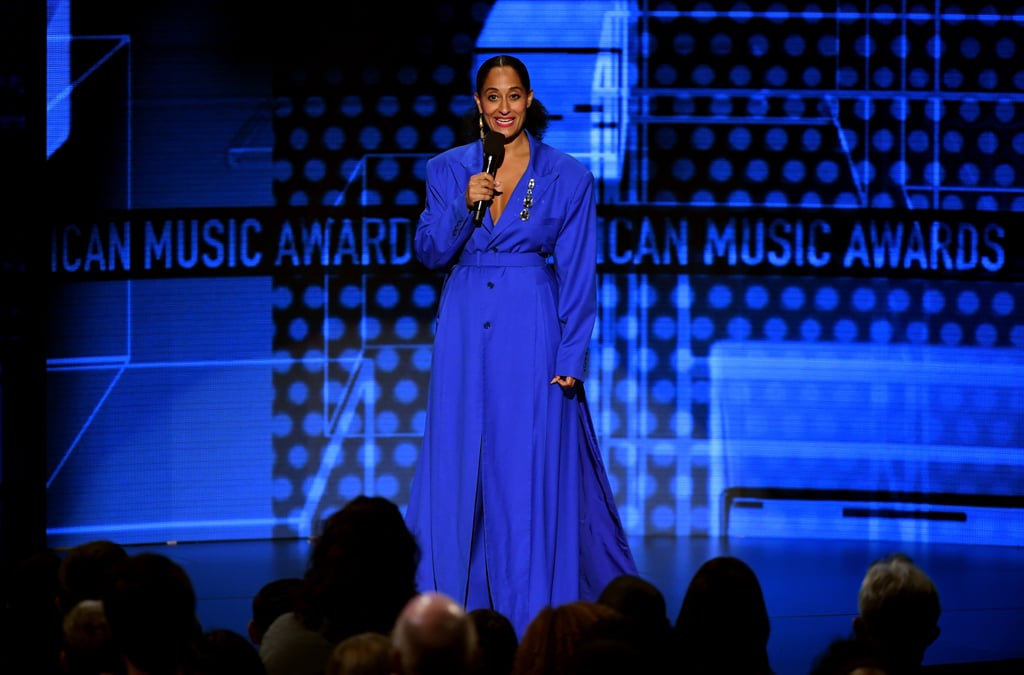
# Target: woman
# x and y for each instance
(723, 624)
(510, 501)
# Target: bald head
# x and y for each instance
(433, 634)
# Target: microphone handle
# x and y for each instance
(480, 206)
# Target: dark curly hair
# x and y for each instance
(537, 116)
(362, 571)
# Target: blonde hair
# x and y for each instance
(361, 654)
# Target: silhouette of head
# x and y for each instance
(150, 607)
(497, 639)
(723, 621)
(361, 572)
(273, 599)
(554, 635)
(86, 570)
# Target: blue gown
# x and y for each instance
(510, 501)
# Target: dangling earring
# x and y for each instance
(480, 122)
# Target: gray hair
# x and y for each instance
(897, 599)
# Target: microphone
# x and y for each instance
(494, 154)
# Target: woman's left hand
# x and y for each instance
(566, 382)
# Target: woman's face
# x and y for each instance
(503, 101)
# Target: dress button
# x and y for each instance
(490, 284)
(487, 324)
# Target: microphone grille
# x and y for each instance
(494, 144)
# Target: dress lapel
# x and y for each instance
(543, 176)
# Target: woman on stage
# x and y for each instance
(510, 501)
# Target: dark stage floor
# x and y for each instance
(810, 587)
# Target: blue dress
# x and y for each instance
(510, 501)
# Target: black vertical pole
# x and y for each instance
(23, 279)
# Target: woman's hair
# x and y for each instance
(723, 621)
(552, 637)
(537, 116)
(361, 572)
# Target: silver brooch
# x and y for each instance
(527, 201)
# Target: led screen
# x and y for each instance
(810, 274)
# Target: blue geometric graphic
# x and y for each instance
(884, 403)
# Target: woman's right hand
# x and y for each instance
(481, 188)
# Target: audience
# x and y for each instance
(552, 638)
(84, 574)
(898, 612)
(497, 640)
(433, 636)
(273, 599)
(356, 611)
(361, 573)
(361, 654)
(723, 623)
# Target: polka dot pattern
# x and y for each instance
(743, 104)
(841, 109)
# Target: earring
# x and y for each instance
(480, 123)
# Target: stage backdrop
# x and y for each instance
(811, 269)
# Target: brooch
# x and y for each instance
(527, 201)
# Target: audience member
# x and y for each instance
(85, 571)
(361, 573)
(723, 624)
(497, 641)
(898, 612)
(273, 599)
(361, 654)
(433, 636)
(226, 652)
(552, 638)
(644, 612)
(88, 647)
(151, 607)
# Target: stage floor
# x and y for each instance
(810, 587)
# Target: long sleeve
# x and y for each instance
(576, 266)
(445, 223)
